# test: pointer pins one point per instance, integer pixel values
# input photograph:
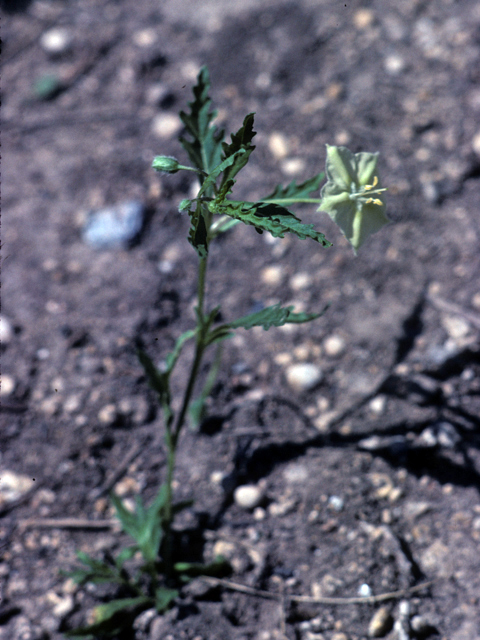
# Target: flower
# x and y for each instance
(352, 196)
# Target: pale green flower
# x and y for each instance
(352, 196)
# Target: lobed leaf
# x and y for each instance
(269, 217)
(294, 190)
(205, 149)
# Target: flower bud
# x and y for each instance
(165, 164)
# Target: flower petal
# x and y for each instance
(341, 167)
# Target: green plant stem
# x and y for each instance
(172, 434)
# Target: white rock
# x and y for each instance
(394, 64)
(293, 166)
(455, 326)
(300, 280)
(166, 125)
(248, 496)
(7, 385)
(56, 41)
(334, 345)
(6, 330)
(13, 486)
(377, 404)
(278, 145)
(272, 275)
(108, 414)
(303, 376)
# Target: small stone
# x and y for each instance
(363, 18)
(437, 560)
(380, 624)
(293, 166)
(377, 405)
(296, 474)
(126, 486)
(300, 281)
(7, 385)
(114, 227)
(394, 64)
(108, 414)
(166, 125)
(476, 143)
(248, 496)
(6, 330)
(421, 625)
(336, 503)
(455, 326)
(303, 376)
(334, 345)
(364, 591)
(278, 145)
(56, 41)
(13, 486)
(272, 275)
(145, 37)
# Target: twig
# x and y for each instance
(474, 318)
(382, 597)
(66, 523)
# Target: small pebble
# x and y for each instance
(300, 281)
(166, 125)
(56, 41)
(13, 486)
(394, 64)
(334, 346)
(364, 591)
(6, 331)
(108, 414)
(248, 496)
(293, 166)
(278, 145)
(336, 503)
(380, 624)
(455, 326)
(303, 376)
(363, 18)
(272, 275)
(377, 405)
(114, 227)
(7, 385)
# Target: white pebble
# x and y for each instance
(377, 405)
(303, 376)
(334, 346)
(300, 281)
(13, 485)
(476, 143)
(455, 326)
(278, 145)
(6, 330)
(248, 496)
(293, 166)
(55, 41)
(272, 275)
(108, 414)
(394, 64)
(145, 37)
(7, 385)
(166, 125)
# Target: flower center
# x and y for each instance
(366, 192)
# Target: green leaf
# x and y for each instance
(158, 380)
(240, 141)
(269, 217)
(99, 572)
(164, 597)
(113, 617)
(205, 148)
(220, 567)
(294, 190)
(172, 357)
(197, 236)
(274, 316)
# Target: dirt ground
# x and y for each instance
(371, 480)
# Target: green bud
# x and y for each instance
(165, 164)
